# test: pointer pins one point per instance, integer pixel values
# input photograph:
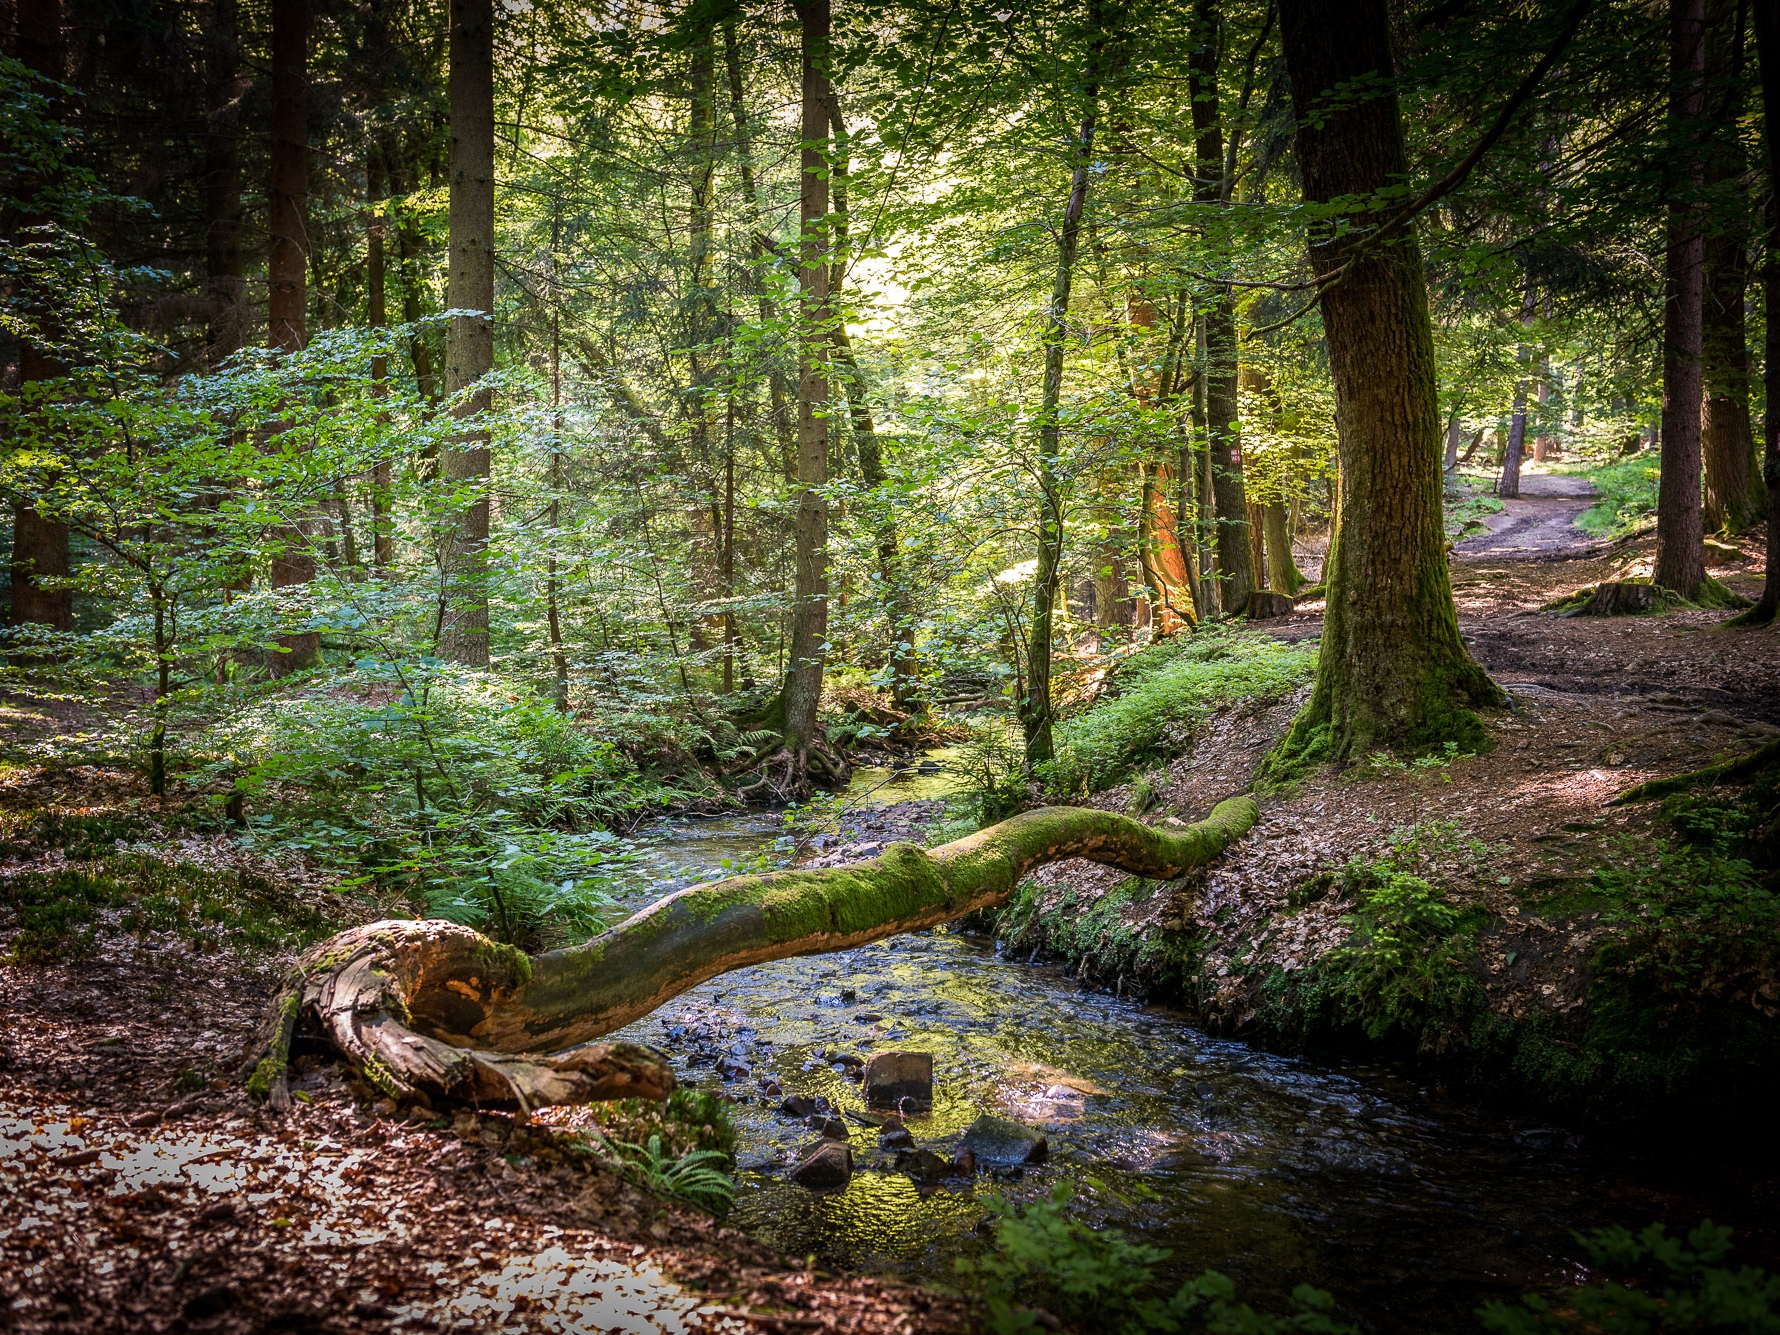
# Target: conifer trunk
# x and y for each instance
(1767, 37)
(1235, 552)
(1392, 672)
(40, 552)
(1680, 532)
(1735, 496)
(469, 340)
(225, 287)
(287, 263)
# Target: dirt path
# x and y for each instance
(1539, 524)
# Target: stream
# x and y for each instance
(1274, 1170)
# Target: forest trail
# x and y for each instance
(1537, 525)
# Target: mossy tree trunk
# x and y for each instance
(1393, 671)
(434, 1010)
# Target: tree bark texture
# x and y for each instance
(287, 238)
(1282, 567)
(383, 537)
(1680, 532)
(777, 394)
(1035, 705)
(1392, 671)
(1515, 451)
(809, 615)
(1735, 496)
(287, 263)
(225, 286)
(1767, 37)
(469, 338)
(1235, 559)
(40, 550)
(438, 1010)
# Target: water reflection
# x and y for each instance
(1276, 1171)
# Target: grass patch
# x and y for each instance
(1465, 515)
(1162, 695)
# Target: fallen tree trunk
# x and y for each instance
(430, 1009)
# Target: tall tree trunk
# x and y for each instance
(40, 542)
(1509, 485)
(1204, 497)
(1282, 567)
(1735, 496)
(469, 345)
(778, 392)
(1680, 533)
(809, 615)
(1392, 671)
(1236, 567)
(287, 260)
(383, 537)
(225, 288)
(1035, 705)
(287, 239)
(898, 607)
(559, 656)
(1767, 37)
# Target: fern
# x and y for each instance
(693, 1177)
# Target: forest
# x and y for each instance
(802, 665)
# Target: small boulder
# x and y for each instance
(964, 1164)
(798, 1105)
(824, 1166)
(895, 1137)
(993, 1139)
(900, 1080)
(831, 1128)
(922, 1165)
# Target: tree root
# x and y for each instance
(1740, 770)
(431, 1010)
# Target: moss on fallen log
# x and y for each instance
(432, 1009)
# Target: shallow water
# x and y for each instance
(1273, 1170)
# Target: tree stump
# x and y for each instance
(1616, 600)
(1265, 605)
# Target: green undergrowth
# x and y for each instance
(1680, 987)
(1627, 501)
(1651, 1284)
(1465, 516)
(1401, 977)
(58, 914)
(1160, 696)
(1051, 1269)
(1093, 937)
(682, 1147)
